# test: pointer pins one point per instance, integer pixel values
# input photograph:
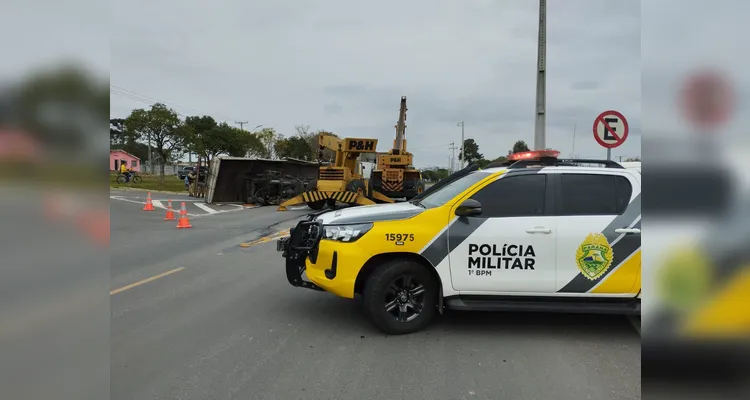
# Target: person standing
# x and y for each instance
(191, 176)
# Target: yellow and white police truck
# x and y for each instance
(537, 233)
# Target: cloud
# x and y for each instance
(343, 66)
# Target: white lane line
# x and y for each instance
(206, 208)
(143, 203)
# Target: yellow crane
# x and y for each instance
(343, 180)
(395, 175)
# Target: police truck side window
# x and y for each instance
(590, 194)
(513, 196)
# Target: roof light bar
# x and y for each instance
(533, 155)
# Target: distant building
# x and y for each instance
(117, 157)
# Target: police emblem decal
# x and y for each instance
(594, 256)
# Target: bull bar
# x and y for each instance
(302, 243)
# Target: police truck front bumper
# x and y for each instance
(303, 242)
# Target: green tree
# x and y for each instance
(267, 138)
(630, 159)
(209, 139)
(471, 152)
(116, 132)
(61, 107)
(500, 159)
(294, 147)
(519, 146)
(163, 127)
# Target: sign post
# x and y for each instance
(610, 130)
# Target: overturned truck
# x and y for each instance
(258, 181)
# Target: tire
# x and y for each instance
(357, 186)
(137, 179)
(317, 205)
(331, 203)
(418, 188)
(379, 292)
(120, 179)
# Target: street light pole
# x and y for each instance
(540, 122)
(453, 156)
(463, 144)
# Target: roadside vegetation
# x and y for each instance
(151, 182)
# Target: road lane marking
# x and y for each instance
(152, 201)
(266, 239)
(147, 280)
(205, 208)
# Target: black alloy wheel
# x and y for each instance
(400, 297)
(405, 298)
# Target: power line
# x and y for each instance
(140, 97)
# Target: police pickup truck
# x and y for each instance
(536, 233)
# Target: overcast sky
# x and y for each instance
(343, 66)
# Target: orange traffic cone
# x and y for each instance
(170, 212)
(149, 206)
(183, 222)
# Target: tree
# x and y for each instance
(208, 139)
(161, 126)
(294, 147)
(197, 127)
(267, 138)
(519, 146)
(471, 152)
(500, 159)
(60, 107)
(116, 132)
(631, 159)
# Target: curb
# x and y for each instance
(128, 189)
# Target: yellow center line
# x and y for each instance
(266, 239)
(147, 280)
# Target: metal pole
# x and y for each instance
(453, 155)
(241, 124)
(463, 144)
(150, 157)
(609, 154)
(540, 122)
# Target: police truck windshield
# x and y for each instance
(451, 190)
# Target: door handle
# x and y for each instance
(627, 230)
(539, 229)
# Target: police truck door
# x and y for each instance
(510, 247)
(599, 240)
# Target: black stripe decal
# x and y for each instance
(623, 249)
(306, 197)
(623, 220)
(451, 238)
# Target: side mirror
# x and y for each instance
(469, 208)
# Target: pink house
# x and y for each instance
(117, 157)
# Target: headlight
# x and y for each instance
(346, 233)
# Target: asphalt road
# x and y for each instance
(223, 323)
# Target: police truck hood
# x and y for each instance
(370, 213)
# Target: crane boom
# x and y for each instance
(399, 144)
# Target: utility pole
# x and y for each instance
(540, 122)
(453, 155)
(150, 156)
(241, 124)
(463, 144)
